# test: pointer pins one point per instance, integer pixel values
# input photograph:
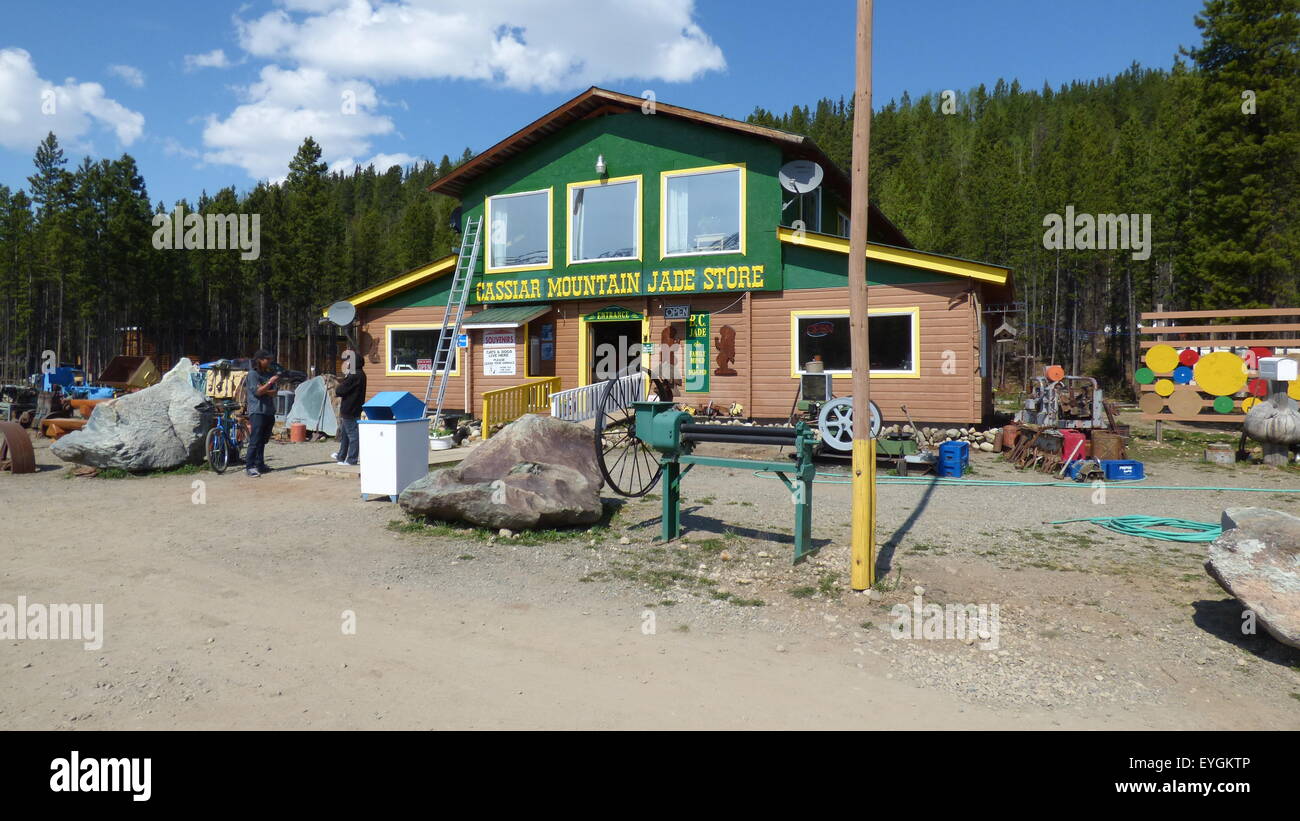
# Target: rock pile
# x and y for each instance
(978, 439)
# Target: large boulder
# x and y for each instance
(537, 472)
(157, 428)
(1257, 559)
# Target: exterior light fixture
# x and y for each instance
(600, 164)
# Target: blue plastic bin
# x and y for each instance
(1117, 470)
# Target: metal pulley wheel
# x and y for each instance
(836, 423)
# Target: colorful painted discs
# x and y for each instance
(1145, 376)
(1249, 402)
(1220, 373)
(1188, 357)
(1055, 373)
(1293, 389)
(1224, 404)
(1260, 352)
(1161, 359)
(1164, 387)
(1258, 387)
(1186, 401)
(1151, 403)
(1182, 374)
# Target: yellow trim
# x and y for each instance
(915, 312)
(550, 232)
(584, 367)
(410, 326)
(663, 207)
(400, 283)
(568, 218)
(900, 256)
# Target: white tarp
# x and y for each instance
(312, 407)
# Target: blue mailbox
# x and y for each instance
(393, 405)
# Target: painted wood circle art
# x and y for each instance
(1249, 402)
(1293, 389)
(1151, 403)
(1161, 358)
(1164, 387)
(1224, 404)
(1258, 387)
(1188, 357)
(1145, 376)
(1055, 373)
(1182, 374)
(1186, 401)
(1220, 373)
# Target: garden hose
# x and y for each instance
(1130, 484)
(1150, 527)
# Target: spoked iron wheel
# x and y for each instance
(629, 467)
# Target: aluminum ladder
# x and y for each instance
(444, 352)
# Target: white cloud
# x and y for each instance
(211, 59)
(30, 107)
(381, 162)
(130, 75)
(286, 106)
(547, 46)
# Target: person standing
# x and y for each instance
(261, 411)
(352, 390)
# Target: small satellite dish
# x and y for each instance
(342, 313)
(800, 176)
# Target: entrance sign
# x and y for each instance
(613, 314)
(499, 361)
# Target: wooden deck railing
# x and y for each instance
(508, 404)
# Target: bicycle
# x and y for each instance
(225, 440)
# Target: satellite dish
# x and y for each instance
(342, 313)
(800, 176)
(453, 220)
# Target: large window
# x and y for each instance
(893, 339)
(410, 350)
(806, 207)
(519, 231)
(605, 220)
(703, 211)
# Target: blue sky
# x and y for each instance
(206, 95)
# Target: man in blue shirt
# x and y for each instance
(261, 410)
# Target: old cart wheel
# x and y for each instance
(16, 452)
(836, 423)
(215, 445)
(629, 467)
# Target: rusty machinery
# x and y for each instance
(16, 453)
(1064, 402)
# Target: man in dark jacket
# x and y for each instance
(261, 388)
(352, 390)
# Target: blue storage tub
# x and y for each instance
(393, 405)
(1116, 470)
(955, 453)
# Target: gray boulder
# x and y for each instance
(1257, 559)
(537, 472)
(157, 428)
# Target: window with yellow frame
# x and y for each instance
(410, 350)
(895, 338)
(702, 211)
(604, 222)
(520, 231)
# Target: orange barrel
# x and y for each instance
(1009, 433)
(297, 432)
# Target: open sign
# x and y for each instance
(817, 329)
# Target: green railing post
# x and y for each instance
(672, 517)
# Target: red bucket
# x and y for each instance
(297, 432)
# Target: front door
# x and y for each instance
(615, 349)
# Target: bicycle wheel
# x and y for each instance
(214, 445)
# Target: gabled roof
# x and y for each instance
(938, 263)
(401, 282)
(597, 102)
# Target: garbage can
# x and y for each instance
(394, 443)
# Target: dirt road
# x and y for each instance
(231, 614)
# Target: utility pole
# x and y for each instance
(863, 572)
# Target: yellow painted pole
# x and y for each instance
(863, 571)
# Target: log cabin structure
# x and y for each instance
(614, 228)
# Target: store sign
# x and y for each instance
(697, 354)
(720, 279)
(676, 312)
(499, 338)
(819, 329)
(499, 361)
(613, 314)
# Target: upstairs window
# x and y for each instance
(808, 205)
(519, 231)
(703, 211)
(605, 220)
